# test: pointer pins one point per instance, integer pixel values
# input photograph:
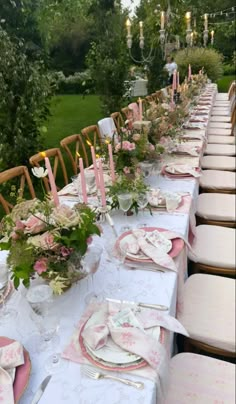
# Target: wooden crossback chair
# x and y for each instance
(91, 135)
(75, 148)
(127, 113)
(56, 156)
(22, 173)
(118, 120)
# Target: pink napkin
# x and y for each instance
(189, 149)
(157, 256)
(182, 169)
(11, 356)
(131, 338)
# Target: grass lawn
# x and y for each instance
(70, 114)
(224, 83)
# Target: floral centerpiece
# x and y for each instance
(132, 148)
(124, 184)
(47, 241)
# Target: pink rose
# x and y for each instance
(65, 252)
(126, 170)
(34, 225)
(118, 146)
(40, 266)
(151, 147)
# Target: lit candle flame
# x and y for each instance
(88, 143)
(43, 154)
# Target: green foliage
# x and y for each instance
(25, 90)
(229, 69)
(210, 59)
(224, 83)
(107, 58)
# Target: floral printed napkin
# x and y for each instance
(11, 356)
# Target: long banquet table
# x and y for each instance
(138, 285)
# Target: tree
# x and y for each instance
(108, 58)
(25, 90)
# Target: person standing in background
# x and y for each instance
(170, 67)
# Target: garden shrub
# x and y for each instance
(208, 58)
(78, 83)
(25, 91)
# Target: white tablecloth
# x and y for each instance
(138, 285)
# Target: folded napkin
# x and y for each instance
(156, 254)
(182, 169)
(11, 356)
(74, 187)
(188, 149)
(160, 357)
(127, 330)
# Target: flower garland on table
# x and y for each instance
(47, 241)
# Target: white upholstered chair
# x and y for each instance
(199, 379)
(216, 209)
(208, 314)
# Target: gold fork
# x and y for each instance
(94, 374)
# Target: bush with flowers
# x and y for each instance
(47, 241)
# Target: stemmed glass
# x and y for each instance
(90, 263)
(146, 168)
(142, 203)
(120, 253)
(125, 203)
(6, 313)
(40, 299)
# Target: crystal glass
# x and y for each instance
(125, 203)
(142, 203)
(46, 318)
(120, 253)
(146, 168)
(6, 313)
(90, 263)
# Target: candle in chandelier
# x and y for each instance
(162, 19)
(174, 87)
(191, 39)
(206, 22)
(140, 29)
(140, 103)
(188, 19)
(189, 72)
(128, 26)
(51, 179)
(101, 182)
(95, 166)
(212, 37)
(111, 161)
(82, 180)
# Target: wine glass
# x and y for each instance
(125, 202)
(142, 203)
(146, 168)
(90, 263)
(120, 253)
(6, 313)
(46, 318)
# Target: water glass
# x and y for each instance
(90, 263)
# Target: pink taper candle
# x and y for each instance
(189, 72)
(174, 81)
(51, 179)
(112, 170)
(177, 80)
(140, 103)
(101, 182)
(95, 166)
(82, 180)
